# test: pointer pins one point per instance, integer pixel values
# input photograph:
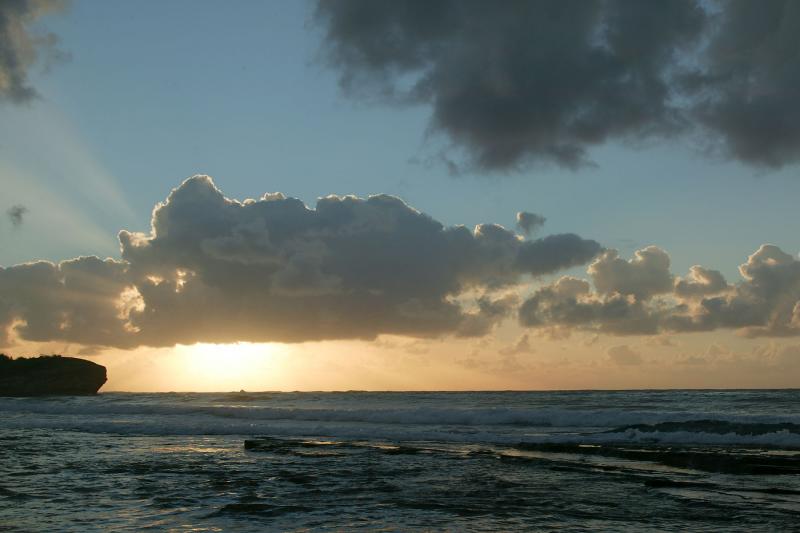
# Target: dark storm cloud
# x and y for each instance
(16, 214)
(765, 303)
(751, 80)
(523, 81)
(217, 270)
(18, 46)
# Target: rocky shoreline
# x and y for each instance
(49, 375)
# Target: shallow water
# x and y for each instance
(576, 461)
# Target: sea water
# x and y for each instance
(445, 461)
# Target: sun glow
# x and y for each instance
(222, 367)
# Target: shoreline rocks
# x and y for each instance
(49, 375)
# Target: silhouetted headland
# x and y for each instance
(49, 374)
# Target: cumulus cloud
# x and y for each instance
(526, 81)
(700, 282)
(645, 275)
(529, 223)
(213, 269)
(19, 47)
(570, 303)
(16, 214)
(639, 297)
(80, 300)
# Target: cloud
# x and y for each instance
(16, 214)
(213, 269)
(645, 275)
(529, 223)
(632, 297)
(750, 82)
(19, 47)
(700, 282)
(555, 252)
(570, 303)
(489, 313)
(623, 355)
(545, 81)
(76, 300)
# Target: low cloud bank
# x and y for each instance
(213, 269)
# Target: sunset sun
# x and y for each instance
(225, 367)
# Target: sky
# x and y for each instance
(541, 196)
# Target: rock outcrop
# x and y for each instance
(49, 375)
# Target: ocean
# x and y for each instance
(404, 461)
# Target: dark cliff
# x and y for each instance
(49, 374)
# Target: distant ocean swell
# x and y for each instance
(548, 417)
(468, 425)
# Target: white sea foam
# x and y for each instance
(778, 439)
